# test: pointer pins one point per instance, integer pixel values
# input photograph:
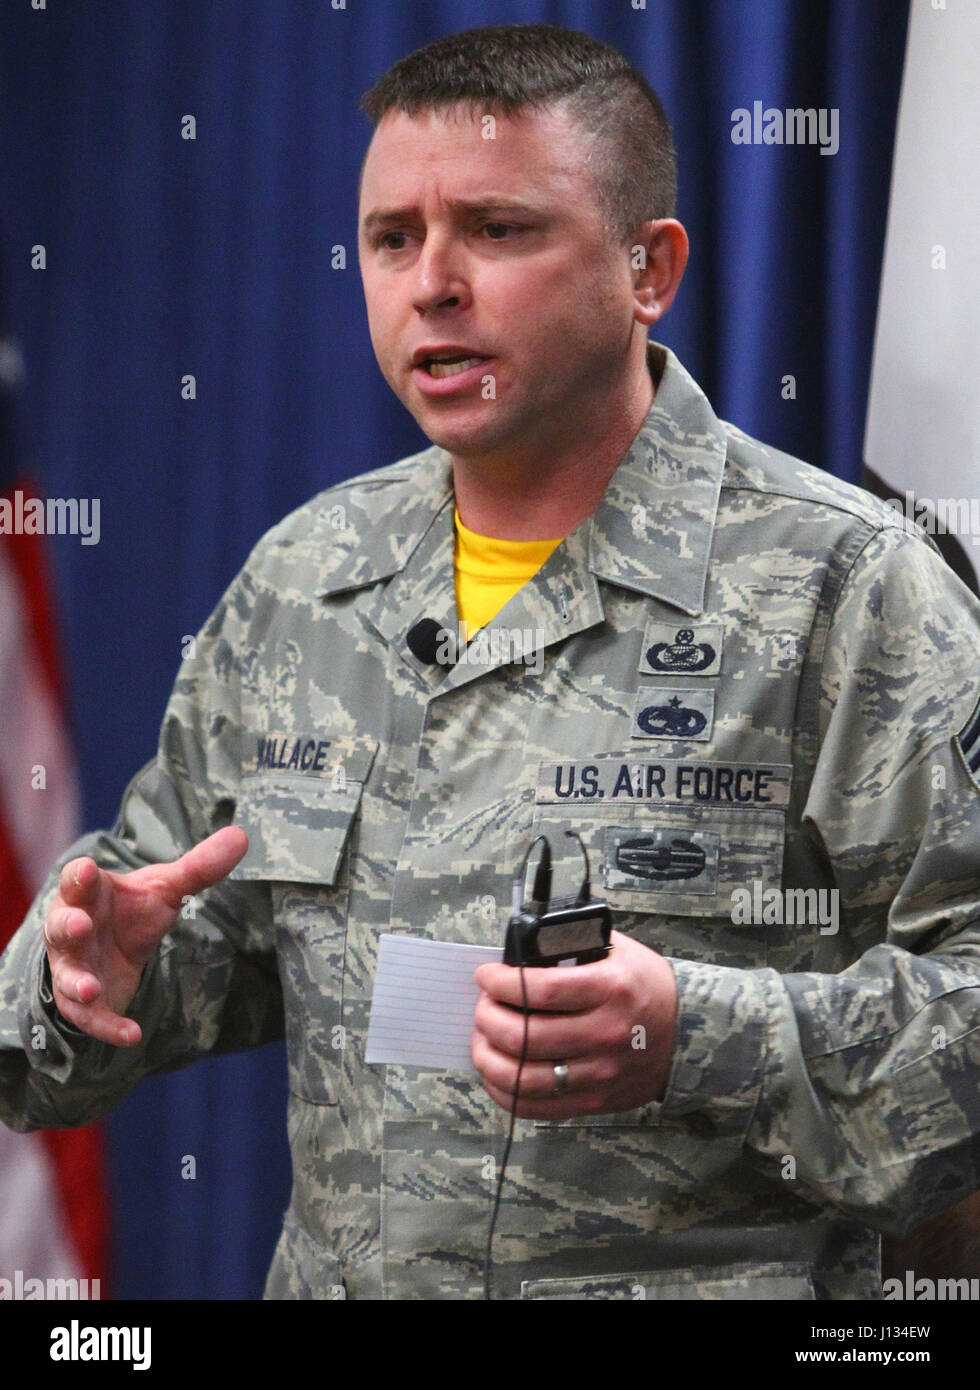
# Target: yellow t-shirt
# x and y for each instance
(490, 571)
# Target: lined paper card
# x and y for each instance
(423, 1002)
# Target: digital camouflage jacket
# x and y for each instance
(748, 677)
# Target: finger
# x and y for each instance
(98, 1021)
(78, 883)
(560, 1035)
(558, 989)
(538, 1080)
(204, 865)
(65, 928)
(565, 1107)
(74, 982)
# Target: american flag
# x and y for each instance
(53, 1211)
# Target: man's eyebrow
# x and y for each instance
(382, 217)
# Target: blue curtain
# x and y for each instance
(212, 257)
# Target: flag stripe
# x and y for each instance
(29, 560)
(37, 775)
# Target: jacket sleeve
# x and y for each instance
(212, 985)
(864, 1086)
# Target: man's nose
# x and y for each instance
(439, 275)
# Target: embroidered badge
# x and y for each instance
(673, 714)
(664, 858)
(681, 651)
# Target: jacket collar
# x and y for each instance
(651, 532)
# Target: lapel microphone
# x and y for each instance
(423, 640)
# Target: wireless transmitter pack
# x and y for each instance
(563, 931)
(566, 931)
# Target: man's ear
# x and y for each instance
(658, 258)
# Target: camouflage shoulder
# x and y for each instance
(365, 525)
(757, 467)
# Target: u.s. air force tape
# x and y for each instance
(668, 782)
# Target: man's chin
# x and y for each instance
(464, 439)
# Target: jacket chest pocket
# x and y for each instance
(684, 880)
(300, 831)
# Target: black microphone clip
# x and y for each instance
(424, 640)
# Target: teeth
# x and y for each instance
(440, 369)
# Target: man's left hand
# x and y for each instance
(612, 1023)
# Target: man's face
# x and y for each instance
(493, 248)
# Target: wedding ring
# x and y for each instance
(561, 1078)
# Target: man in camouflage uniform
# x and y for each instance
(758, 688)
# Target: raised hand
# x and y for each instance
(102, 928)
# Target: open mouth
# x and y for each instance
(450, 365)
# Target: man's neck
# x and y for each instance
(548, 495)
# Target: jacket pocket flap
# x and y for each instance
(297, 826)
(749, 1280)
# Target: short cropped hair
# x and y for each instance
(511, 68)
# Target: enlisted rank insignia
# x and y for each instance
(968, 740)
(674, 714)
(667, 858)
(681, 651)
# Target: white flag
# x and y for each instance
(923, 428)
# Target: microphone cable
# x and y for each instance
(542, 882)
(510, 1136)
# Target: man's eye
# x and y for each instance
(491, 227)
(384, 240)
